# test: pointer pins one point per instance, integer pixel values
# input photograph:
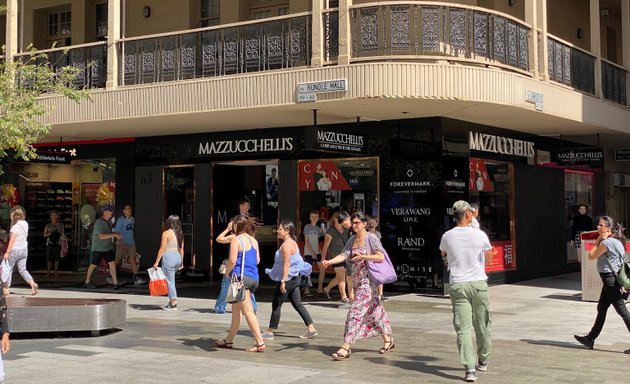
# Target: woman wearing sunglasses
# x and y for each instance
(367, 317)
(609, 251)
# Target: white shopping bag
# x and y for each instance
(6, 271)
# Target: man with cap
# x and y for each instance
(467, 249)
(103, 246)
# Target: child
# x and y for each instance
(312, 252)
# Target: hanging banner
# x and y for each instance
(331, 175)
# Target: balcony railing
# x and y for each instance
(217, 51)
(571, 66)
(330, 22)
(432, 30)
(614, 83)
(90, 59)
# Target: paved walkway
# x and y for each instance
(533, 327)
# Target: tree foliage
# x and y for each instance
(23, 81)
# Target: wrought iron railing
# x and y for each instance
(614, 83)
(415, 29)
(330, 23)
(90, 60)
(570, 65)
(217, 51)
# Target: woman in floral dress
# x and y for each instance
(367, 317)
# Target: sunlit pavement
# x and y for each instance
(533, 327)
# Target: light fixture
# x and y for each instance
(580, 33)
(146, 11)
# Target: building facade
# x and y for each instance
(393, 108)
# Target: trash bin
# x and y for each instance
(591, 282)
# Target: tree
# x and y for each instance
(23, 80)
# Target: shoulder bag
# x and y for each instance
(383, 272)
(236, 290)
(623, 276)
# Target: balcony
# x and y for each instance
(411, 31)
(217, 51)
(90, 59)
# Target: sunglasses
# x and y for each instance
(357, 222)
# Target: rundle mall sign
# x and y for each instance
(499, 144)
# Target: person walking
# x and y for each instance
(366, 317)
(244, 256)
(287, 271)
(53, 232)
(171, 253)
(5, 344)
(103, 247)
(220, 305)
(17, 249)
(468, 251)
(126, 246)
(334, 242)
(312, 232)
(609, 251)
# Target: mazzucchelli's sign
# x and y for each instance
(241, 146)
(499, 144)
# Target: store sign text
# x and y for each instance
(499, 144)
(279, 144)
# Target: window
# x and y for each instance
(260, 9)
(209, 13)
(490, 188)
(101, 21)
(59, 28)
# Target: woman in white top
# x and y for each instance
(171, 253)
(17, 250)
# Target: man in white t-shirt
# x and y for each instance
(466, 250)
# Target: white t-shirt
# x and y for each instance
(21, 233)
(465, 247)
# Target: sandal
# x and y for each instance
(224, 344)
(345, 300)
(257, 348)
(341, 356)
(389, 345)
(327, 294)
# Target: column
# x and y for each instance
(12, 28)
(345, 44)
(596, 46)
(317, 33)
(531, 18)
(113, 35)
(625, 43)
(543, 66)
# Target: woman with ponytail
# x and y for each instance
(609, 251)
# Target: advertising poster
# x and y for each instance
(411, 215)
(502, 256)
(479, 177)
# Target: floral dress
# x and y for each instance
(367, 317)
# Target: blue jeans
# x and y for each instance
(171, 261)
(219, 306)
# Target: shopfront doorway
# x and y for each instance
(255, 182)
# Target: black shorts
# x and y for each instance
(339, 265)
(250, 284)
(109, 256)
(311, 259)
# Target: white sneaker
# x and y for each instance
(109, 279)
(139, 281)
(266, 335)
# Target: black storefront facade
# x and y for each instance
(408, 173)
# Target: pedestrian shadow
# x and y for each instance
(204, 343)
(146, 307)
(200, 310)
(574, 297)
(564, 344)
(328, 304)
(423, 364)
